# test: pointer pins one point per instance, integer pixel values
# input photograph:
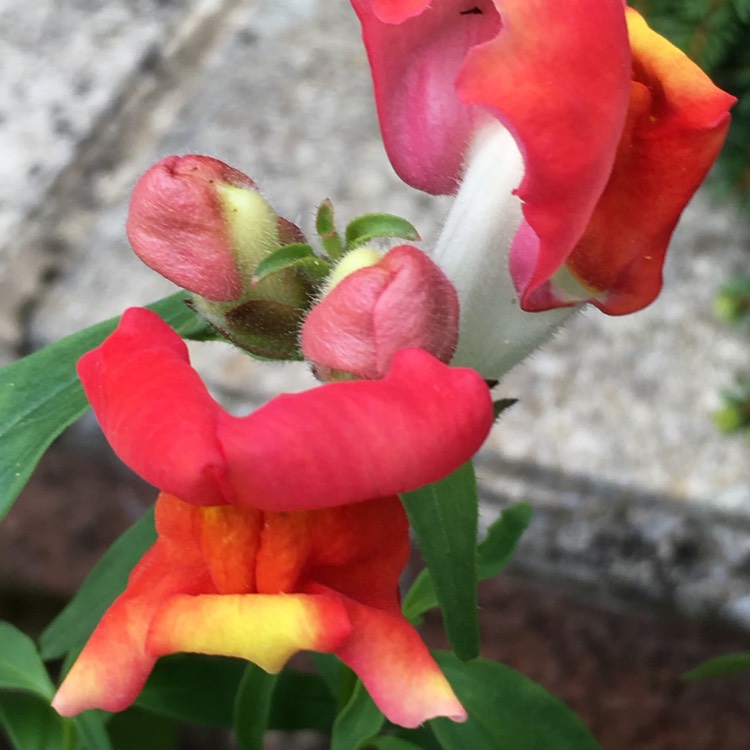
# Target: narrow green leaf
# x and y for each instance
(506, 710)
(370, 226)
(325, 226)
(289, 256)
(493, 554)
(91, 730)
(252, 707)
(422, 737)
(72, 627)
(32, 724)
(720, 666)
(444, 518)
(330, 669)
(194, 688)
(40, 395)
(360, 720)
(496, 549)
(20, 665)
(301, 700)
(389, 743)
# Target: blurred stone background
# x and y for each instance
(639, 501)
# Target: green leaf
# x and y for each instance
(194, 688)
(326, 229)
(444, 518)
(422, 736)
(360, 720)
(506, 710)
(503, 535)
(20, 665)
(40, 395)
(330, 669)
(389, 743)
(296, 255)
(493, 554)
(368, 227)
(72, 627)
(252, 707)
(91, 730)
(301, 700)
(32, 724)
(720, 666)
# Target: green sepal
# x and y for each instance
(368, 227)
(326, 228)
(444, 516)
(299, 256)
(501, 405)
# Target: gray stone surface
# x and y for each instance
(630, 399)
(281, 91)
(624, 544)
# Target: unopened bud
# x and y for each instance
(376, 306)
(205, 226)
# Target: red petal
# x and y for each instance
(676, 126)
(426, 129)
(336, 444)
(154, 409)
(567, 115)
(396, 11)
(347, 442)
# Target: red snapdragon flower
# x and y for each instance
(278, 531)
(575, 137)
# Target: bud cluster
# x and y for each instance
(254, 277)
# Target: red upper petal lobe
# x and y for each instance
(336, 444)
(155, 409)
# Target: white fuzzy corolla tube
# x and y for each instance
(473, 249)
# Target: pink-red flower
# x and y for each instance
(399, 301)
(278, 531)
(607, 131)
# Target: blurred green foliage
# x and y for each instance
(716, 34)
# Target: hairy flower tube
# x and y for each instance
(203, 225)
(384, 305)
(574, 140)
(278, 531)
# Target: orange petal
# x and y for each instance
(114, 665)
(395, 666)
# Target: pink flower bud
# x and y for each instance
(201, 223)
(403, 300)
